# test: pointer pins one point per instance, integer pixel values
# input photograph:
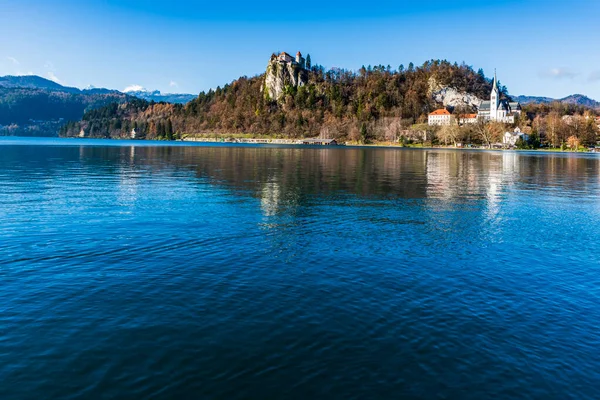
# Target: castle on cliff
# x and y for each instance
(285, 58)
(284, 71)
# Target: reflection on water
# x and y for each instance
(267, 272)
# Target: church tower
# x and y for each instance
(494, 99)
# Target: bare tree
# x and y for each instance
(590, 130)
(554, 125)
(449, 133)
(489, 132)
(573, 142)
(482, 131)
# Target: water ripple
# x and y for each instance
(264, 272)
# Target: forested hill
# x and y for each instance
(34, 106)
(334, 103)
(33, 82)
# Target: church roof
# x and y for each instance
(441, 111)
(495, 82)
(485, 106)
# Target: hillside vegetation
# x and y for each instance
(362, 105)
(34, 106)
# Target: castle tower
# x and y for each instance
(494, 99)
(300, 60)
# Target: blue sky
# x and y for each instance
(545, 48)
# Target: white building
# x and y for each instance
(497, 109)
(468, 119)
(287, 59)
(510, 138)
(440, 117)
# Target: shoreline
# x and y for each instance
(389, 145)
(297, 143)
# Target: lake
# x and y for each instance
(148, 270)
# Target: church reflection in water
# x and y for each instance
(283, 178)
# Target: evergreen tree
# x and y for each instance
(160, 130)
(534, 141)
(364, 133)
(308, 61)
(169, 130)
(521, 144)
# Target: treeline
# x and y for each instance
(561, 131)
(20, 106)
(558, 107)
(337, 103)
(36, 112)
(553, 129)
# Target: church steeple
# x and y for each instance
(494, 99)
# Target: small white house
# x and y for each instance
(440, 117)
(510, 138)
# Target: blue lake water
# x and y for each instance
(141, 270)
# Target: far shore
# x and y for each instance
(248, 140)
(245, 139)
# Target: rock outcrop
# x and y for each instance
(283, 72)
(452, 97)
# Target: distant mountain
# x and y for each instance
(581, 100)
(533, 99)
(157, 96)
(37, 82)
(35, 106)
(33, 82)
(577, 99)
(94, 90)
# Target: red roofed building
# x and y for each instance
(285, 57)
(468, 119)
(440, 117)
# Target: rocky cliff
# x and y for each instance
(281, 75)
(452, 97)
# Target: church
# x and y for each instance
(496, 109)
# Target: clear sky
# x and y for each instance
(545, 48)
